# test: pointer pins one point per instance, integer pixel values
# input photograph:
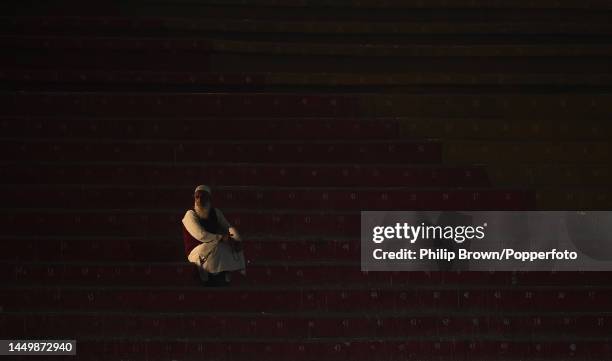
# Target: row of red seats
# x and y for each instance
(200, 128)
(270, 152)
(288, 273)
(180, 104)
(253, 24)
(107, 104)
(167, 223)
(303, 298)
(119, 197)
(167, 249)
(322, 128)
(85, 76)
(269, 175)
(495, 152)
(108, 43)
(506, 129)
(50, 23)
(204, 44)
(162, 76)
(267, 152)
(300, 325)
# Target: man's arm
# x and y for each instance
(226, 225)
(197, 231)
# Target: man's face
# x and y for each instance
(202, 198)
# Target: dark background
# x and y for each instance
(299, 114)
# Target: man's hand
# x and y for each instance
(236, 245)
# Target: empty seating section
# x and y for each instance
(299, 116)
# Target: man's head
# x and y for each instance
(202, 196)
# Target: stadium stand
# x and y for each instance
(299, 114)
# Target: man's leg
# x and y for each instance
(218, 279)
(219, 258)
(202, 271)
(195, 258)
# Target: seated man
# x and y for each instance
(210, 241)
